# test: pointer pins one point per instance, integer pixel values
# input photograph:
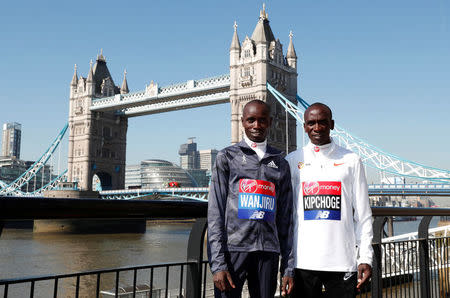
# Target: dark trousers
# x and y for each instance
(259, 268)
(308, 284)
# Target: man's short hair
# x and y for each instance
(257, 101)
(319, 104)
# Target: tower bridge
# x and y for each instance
(258, 69)
(99, 110)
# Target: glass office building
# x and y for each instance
(157, 173)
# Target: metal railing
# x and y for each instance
(407, 268)
(89, 283)
(403, 268)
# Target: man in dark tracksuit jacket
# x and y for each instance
(250, 213)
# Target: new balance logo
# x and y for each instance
(323, 214)
(258, 215)
(272, 165)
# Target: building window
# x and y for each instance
(106, 131)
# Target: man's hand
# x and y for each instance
(223, 281)
(287, 285)
(364, 273)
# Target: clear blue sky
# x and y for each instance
(382, 66)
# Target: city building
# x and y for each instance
(157, 173)
(188, 155)
(11, 139)
(12, 168)
(198, 163)
(133, 176)
(207, 158)
(201, 176)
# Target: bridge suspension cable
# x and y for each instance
(52, 184)
(370, 155)
(16, 185)
(2, 184)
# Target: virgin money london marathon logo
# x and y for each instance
(257, 200)
(322, 200)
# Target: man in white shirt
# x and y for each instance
(332, 215)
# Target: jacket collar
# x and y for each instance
(270, 151)
(328, 147)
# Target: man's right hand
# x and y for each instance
(223, 281)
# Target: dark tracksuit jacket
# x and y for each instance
(250, 222)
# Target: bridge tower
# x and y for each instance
(97, 140)
(258, 60)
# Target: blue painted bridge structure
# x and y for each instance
(201, 193)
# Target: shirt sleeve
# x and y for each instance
(285, 223)
(217, 201)
(362, 216)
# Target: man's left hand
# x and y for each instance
(287, 285)
(364, 273)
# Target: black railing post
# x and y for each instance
(377, 272)
(424, 257)
(195, 254)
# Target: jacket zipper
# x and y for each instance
(259, 223)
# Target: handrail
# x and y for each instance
(407, 211)
(90, 272)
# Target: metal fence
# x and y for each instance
(159, 280)
(402, 268)
(416, 267)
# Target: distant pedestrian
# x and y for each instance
(332, 215)
(250, 213)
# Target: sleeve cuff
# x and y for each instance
(219, 268)
(367, 261)
(288, 272)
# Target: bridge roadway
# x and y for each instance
(201, 193)
(153, 100)
(426, 189)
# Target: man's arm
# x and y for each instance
(217, 201)
(285, 223)
(363, 224)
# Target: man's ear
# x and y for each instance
(332, 124)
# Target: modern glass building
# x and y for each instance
(157, 173)
(200, 177)
(133, 176)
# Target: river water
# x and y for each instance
(24, 254)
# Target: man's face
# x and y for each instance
(256, 121)
(318, 124)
